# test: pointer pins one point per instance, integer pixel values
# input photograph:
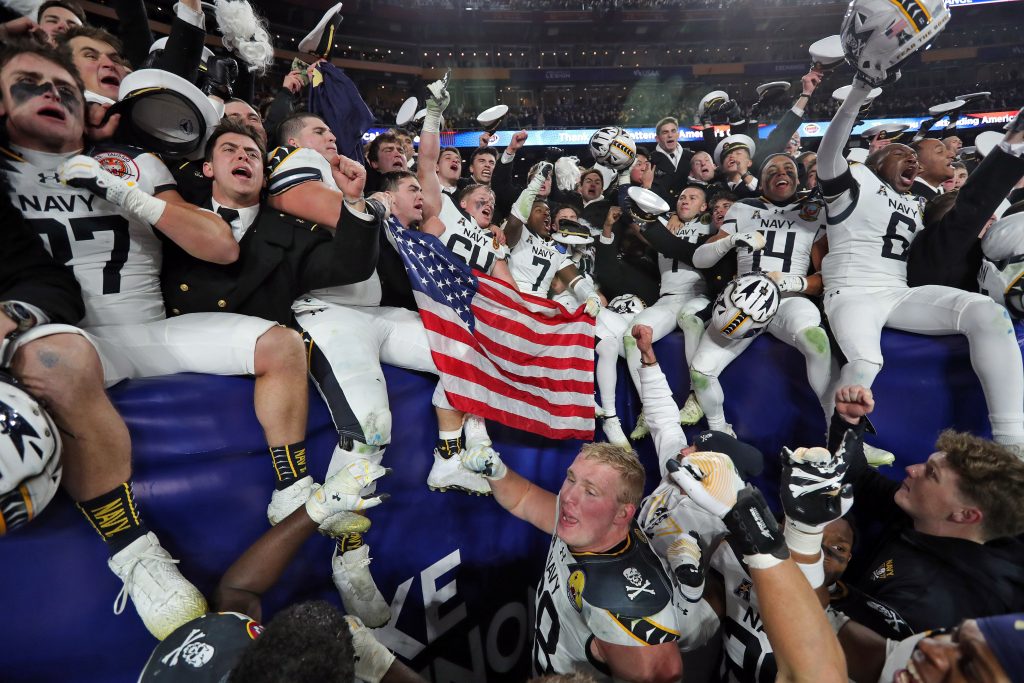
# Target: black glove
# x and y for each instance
(752, 527)
(221, 73)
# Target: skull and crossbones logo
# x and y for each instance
(638, 584)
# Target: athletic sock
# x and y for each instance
(115, 517)
(350, 541)
(289, 463)
(449, 443)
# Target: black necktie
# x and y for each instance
(229, 215)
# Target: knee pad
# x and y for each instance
(376, 428)
(689, 322)
(986, 316)
(607, 346)
(814, 340)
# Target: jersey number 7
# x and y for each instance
(83, 229)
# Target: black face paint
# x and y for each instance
(22, 92)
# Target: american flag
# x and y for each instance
(520, 360)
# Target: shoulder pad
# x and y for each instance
(630, 583)
(753, 202)
(278, 155)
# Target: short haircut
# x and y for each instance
(665, 121)
(94, 32)
(70, 6)
(592, 171)
(558, 207)
(389, 181)
(696, 186)
(990, 477)
(483, 150)
(643, 152)
(61, 58)
(724, 195)
(625, 462)
(875, 159)
(470, 189)
(231, 126)
(310, 641)
(373, 149)
(293, 124)
(957, 165)
(453, 150)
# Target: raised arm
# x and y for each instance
(430, 149)
(518, 495)
(660, 410)
(523, 205)
(831, 163)
(790, 121)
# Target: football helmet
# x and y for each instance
(628, 304)
(30, 449)
(746, 306)
(879, 35)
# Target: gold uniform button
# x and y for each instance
(222, 304)
(183, 287)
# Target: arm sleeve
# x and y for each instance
(667, 244)
(949, 252)
(133, 28)
(350, 257)
(831, 163)
(872, 493)
(184, 50)
(29, 274)
(504, 192)
(280, 108)
(778, 138)
(662, 415)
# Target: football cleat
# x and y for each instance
(877, 457)
(691, 412)
(359, 594)
(163, 597)
(449, 474)
(613, 432)
(286, 501)
(641, 430)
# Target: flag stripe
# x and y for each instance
(521, 360)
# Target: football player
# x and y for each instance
(606, 604)
(872, 222)
(772, 234)
(350, 334)
(105, 228)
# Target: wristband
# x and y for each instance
(145, 207)
(814, 572)
(836, 619)
(645, 364)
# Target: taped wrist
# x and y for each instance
(135, 202)
(801, 538)
(582, 288)
(752, 528)
(710, 253)
(814, 572)
(524, 204)
(432, 119)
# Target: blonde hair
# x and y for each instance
(625, 462)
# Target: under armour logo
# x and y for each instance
(43, 177)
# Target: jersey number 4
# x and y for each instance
(464, 248)
(785, 255)
(896, 244)
(84, 229)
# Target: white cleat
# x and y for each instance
(613, 432)
(448, 474)
(286, 501)
(163, 597)
(359, 594)
(641, 430)
(691, 412)
(878, 457)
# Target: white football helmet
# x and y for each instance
(879, 35)
(613, 147)
(1004, 282)
(30, 449)
(627, 304)
(746, 306)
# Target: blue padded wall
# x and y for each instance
(459, 571)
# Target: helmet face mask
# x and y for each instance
(878, 36)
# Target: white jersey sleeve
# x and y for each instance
(534, 263)
(288, 167)
(789, 232)
(115, 258)
(467, 240)
(870, 230)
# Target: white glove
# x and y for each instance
(683, 557)
(436, 104)
(788, 283)
(710, 479)
(592, 306)
(86, 173)
(341, 492)
(484, 460)
(567, 173)
(372, 659)
(524, 204)
(752, 239)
